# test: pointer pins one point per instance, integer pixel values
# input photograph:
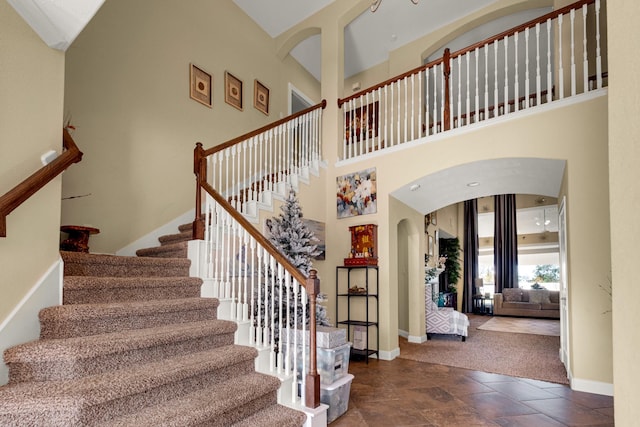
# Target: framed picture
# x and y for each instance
(261, 97)
(357, 194)
(427, 221)
(430, 246)
(361, 122)
(232, 90)
(434, 218)
(200, 85)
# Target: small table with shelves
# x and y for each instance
(361, 298)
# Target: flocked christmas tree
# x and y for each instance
(296, 241)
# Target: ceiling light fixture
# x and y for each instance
(376, 4)
(414, 187)
(473, 184)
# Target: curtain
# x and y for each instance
(470, 253)
(505, 242)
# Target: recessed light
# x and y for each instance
(473, 184)
(414, 187)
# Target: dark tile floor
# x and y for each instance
(407, 393)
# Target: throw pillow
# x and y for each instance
(512, 295)
(539, 296)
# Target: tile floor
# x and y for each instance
(407, 393)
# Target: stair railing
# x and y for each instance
(241, 264)
(27, 188)
(506, 73)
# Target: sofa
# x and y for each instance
(527, 303)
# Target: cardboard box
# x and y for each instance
(360, 337)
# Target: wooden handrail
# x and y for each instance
(263, 129)
(444, 59)
(27, 188)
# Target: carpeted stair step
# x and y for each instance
(74, 320)
(97, 290)
(186, 227)
(274, 415)
(173, 250)
(228, 403)
(183, 236)
(93, 400)
(66, 359)
(87, 264)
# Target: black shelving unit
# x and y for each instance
(367, 298)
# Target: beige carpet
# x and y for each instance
(514, 354)
(520, 325)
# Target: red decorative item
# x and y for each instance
(364, 245)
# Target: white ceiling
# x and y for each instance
(497, 176)
(370, 37)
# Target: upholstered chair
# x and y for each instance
(444, 320)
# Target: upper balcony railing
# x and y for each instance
(550, 58)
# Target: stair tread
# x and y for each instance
(183, 236)
(87, 282)
(108, 259)
(113, 385)
(125, 308)
(115, 342)
(274, 415)
(203, 405)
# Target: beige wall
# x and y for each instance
(576, 133)
(31, 88)
(127, 91)
(624, 176)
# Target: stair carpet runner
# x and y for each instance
(134, 344)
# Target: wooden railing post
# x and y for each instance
(312, 397)
(446, 62)
(200, 170)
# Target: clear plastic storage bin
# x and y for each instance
(336, 395)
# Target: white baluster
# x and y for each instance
(413, 106)
(496, 98)
(398, 140)
(486, 82)
(549, 74)
(427, 105)
(288, 330)
(282, 317)
(459, 112)
(516, 78)
(573, 53)
(468, 98)
(538, 74)
(560, 59)
(294, 350)
(477, 94)
(254, 302)
(233, 273)
(406, 108)
(506, 75)
(420, 105)
(442, 98)
(526, 73)
(391, 142)
(585, 63)
(272, 328)
(598, 55)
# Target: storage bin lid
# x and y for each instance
(338, 383)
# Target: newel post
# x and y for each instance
(312, 395)
(199, 169)
(446, 61)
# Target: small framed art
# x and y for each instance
(261, 97)
(232, 90)
(434, 218)
(200, 85)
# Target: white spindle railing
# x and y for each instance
(266, 160)
(259, 289)
(517, 69)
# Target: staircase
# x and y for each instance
(134, 345)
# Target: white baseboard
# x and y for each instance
(589, 386)
(403, 333)
(417, 340)
(389, 355)
(23, 324)
(151, 240)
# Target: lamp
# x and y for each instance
(376, 4)
(478, 285)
